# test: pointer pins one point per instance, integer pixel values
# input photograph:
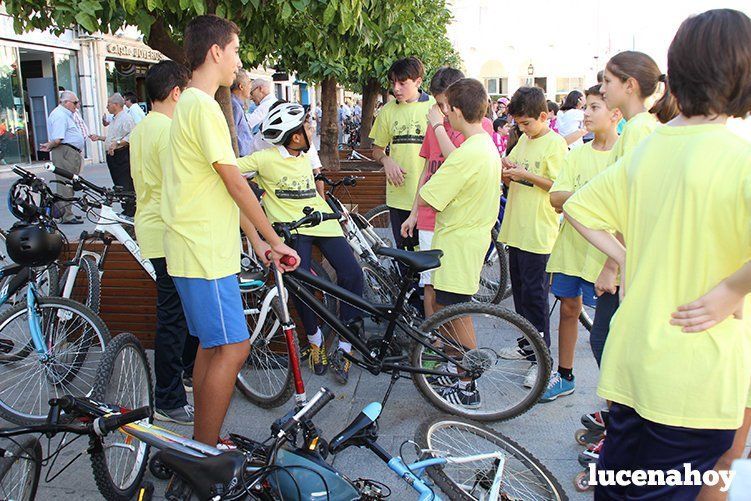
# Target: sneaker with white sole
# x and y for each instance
(514, 353)
(468, 397)
(531, 378)
(557, 387)
(182, 415)
(435, 380)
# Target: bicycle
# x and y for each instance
(432, 344)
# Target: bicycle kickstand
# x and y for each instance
(394, 378)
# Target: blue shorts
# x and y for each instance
(570, 286)
(213, 310)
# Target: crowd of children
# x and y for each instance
(660, 211)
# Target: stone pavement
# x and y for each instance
(547, 430)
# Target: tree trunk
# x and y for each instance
(329, 129)
(384, 96)
(224, 98)
(370, 93)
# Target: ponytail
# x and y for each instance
(665, 108)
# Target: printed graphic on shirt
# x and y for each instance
(295, 188)
(409, 132)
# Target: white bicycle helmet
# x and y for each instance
(283, 120)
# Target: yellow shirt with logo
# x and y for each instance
(530, 223)
(682, 201)
(202, 237)
(401, 127)
(572, 254)
(466, 192)
(290, 187)
(640, 126)
(149, 155)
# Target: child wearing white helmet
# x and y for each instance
(286, 174)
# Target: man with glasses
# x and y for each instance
(263, 97)
(65, 145)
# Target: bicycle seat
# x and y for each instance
(207, 476)
(417, 261)
(351, 434)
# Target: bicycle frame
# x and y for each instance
(109, 223)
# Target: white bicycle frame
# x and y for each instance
(110, 222)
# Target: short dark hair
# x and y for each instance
(163, 77)
(553, 107)
(709, 63)
(443, 78)
(130, 96)
(469, 96)
(202, 33)
(595, 90)
(499, 123)
(527, 102)
(408, 68)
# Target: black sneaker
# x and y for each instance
(447, 381)
(318, 360)
(468, 397)
(341, 366)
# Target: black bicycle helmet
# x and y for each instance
(33, 244)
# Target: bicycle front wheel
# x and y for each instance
(523, 475)
(266, 376)
(476, 336)
(20, 469)
(123, 380)
(380, 219)
(74, 338)
(86, 283)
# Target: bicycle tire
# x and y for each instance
(585, 320)
(19, 474)
(493, 290)
(130, 394)
(263, 353)
(428, 438)
(379, 217)
(505, 317)
(87, 280)
(87, 331)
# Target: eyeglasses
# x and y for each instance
(74, 102)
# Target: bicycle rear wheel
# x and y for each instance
(266, 376)
(494, 276)
(87, 283)
(20, 468)
(523, 477)
(75, 338)
(124, 380)
(380, 218)
(500, 382)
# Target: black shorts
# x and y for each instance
(445, 298)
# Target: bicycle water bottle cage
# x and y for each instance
(360, 431)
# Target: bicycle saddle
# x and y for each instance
(351, 434)
(417, 261)
(207, 476)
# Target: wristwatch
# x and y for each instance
(118, 142)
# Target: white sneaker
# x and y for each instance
(531, 378)
(513, 353)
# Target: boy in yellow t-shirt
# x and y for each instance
(400, 126)
(466, 192)
(203, 196)
(530, 224)
(149, 157)
(285, 172)
(574, 263)
(682, 201)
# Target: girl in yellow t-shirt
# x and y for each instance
(682, 201)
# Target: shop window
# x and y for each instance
(13, 135)
(66, 70)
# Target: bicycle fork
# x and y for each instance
(35, 324)
(288, 327)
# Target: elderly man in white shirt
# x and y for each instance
(66, 143)
(131, 104)
(260, 93)
(116, 142)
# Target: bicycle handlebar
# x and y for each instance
(313, 407)
(346, 181)
(107, 424)
(285, 260)
(312, 218)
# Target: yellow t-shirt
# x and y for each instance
(290, 187)
(401, 126)
(530, 223)
(149, 155)
(466, 192)
(682, 201)
(640, 126)
(572, 254)
(202, 237)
